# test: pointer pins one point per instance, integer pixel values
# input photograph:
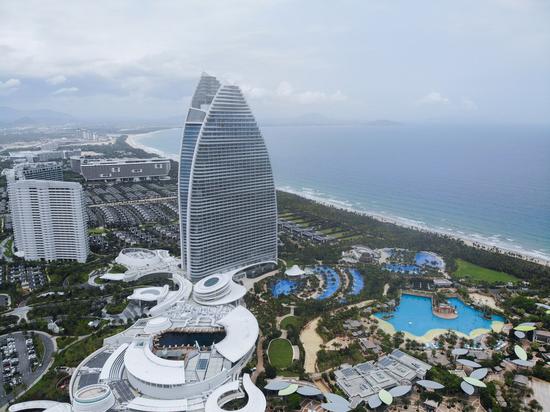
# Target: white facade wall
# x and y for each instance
(49, 220)
(228, 208)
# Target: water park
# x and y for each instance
(320, 283)
(414, 315)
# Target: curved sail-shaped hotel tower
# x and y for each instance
(227, 201)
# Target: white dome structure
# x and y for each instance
(157, 325)
(93, 398)
(134, 258)
(218, 290)
(294, 271)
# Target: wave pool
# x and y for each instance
(414, 315)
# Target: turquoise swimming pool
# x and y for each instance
(414, 315)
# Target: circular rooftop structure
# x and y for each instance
(93, 398)
(137, 258)
(219, 289)
(157, 325)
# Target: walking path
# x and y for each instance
(260, 357)
(312, 344)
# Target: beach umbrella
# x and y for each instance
(520, 352)
(333, 398)
(385, 397)
(467, 388)
(468, 363)
(524, 363)
(479, 373)
(374, 401)
(459, 351)
(519, 334)
(400, 390)
(276, 385)
(308, 391)
(430, 384)
(474, 382)
(290, 389)
(335, 407)
(524, 328)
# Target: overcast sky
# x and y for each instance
(465, 61)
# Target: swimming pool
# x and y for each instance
(283, 287)
(409, 269)
(414, 315)
(429, 259)
(357, 282)
(332, 281)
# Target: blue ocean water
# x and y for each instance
(414, 315)
(486, 183)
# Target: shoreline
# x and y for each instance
(421, 227)
(133, 141)
(483, 244)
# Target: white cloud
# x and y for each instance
(286, 92)
(10, 85)
(55, 80)
(468, 104)
(434, 98)
(66, 90)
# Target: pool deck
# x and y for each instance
(429, 336)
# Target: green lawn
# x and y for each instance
(291, 320)
(481, 274)
(280, 353)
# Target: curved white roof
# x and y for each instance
(93, 398)
(241, 328)
(137, 258)
(113, 276)
(145, 365)
(108, 365)
(157, 325)
(256, 399)
(294, 271)
(218, 289)
(29, 405)
(160, 405)
(150, 294)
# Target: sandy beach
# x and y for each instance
(133, 140)
(312, 344)
(431, 334)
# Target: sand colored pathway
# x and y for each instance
(312, 344)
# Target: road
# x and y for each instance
(28, 377)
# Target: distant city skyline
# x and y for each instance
(356, 61)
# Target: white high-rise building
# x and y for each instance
(49, 220)
(228, 208)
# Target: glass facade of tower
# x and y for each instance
(228, 211)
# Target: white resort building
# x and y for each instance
(186, 356)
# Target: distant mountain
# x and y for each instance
(15, 117)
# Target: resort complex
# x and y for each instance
(132, 283)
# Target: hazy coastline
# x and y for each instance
(480, 241)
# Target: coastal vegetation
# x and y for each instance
(378, 234)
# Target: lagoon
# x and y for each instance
(414, 315)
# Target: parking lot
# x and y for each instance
(19, 358)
